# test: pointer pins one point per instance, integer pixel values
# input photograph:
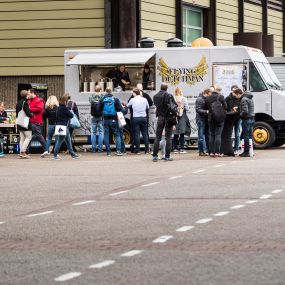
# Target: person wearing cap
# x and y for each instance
(246, 111)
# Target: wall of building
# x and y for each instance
(34, 33)
(275, 27)
(252, 18)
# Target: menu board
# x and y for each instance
(227, 75)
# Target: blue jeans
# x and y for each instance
(203, 136)
(247, 127)
(58, 142)
(237, 125)
(140, 126)
(51, 129)
(97, 125)
(111, 125)
(123, 147)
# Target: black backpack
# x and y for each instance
(94, 109)
(172, 113)
(218, 111)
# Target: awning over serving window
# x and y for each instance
(111, 58)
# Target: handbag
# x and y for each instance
(121, 119)
(74, 122)
(60, 130)
(22, 120)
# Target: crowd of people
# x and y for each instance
(211, 108)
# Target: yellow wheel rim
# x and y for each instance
(126, 137)
(260, 135)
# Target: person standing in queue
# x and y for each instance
(109, 106)
(122, 77)
(37, 109)
(162, 101)
(217, 107)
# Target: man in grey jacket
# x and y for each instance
(246, 111)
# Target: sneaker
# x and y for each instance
(45, 153)
(182, 151)
(244, 154)
(203, 154)
(76, 156)
(24, 156)
(154, 158)
(118, 153)
(175, 150)
(168, 159)
(56, 158)
(108, 154)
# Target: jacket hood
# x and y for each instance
(248, 94)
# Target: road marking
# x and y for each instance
(131, 253)
(102, 264)
(175, 177)
(40, 214)
(185, 229)
(218, 165)
(237, 207)
(67, 276)
(1, 223)
(83, 203)
(220, 214)
(198, 171)
(150, 184)
(265, 196)
(162, 239)
(204, 221)
(251, 201)
(277, 191)
(118, 193)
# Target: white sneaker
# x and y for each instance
(45, 153)
(182, 151)
(56, 158)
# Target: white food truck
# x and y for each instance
(193, 70)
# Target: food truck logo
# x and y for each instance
(190, 76)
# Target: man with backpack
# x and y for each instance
(109, 106)
(96, 120)
(217, 107)
(166, 112)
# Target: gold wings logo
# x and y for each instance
(190, 76)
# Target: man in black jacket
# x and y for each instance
(233, 102)
(162, 100)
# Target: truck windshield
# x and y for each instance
(256, 83)
(268, 75)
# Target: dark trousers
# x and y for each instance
(178, 140)
(215, 136)
(161, 124)
(247, 127)
(37, 133)
(140, 126)
(113, 127)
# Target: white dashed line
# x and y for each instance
(102, 264)
(131, 253)
(218, 165)
(237, 207)
(175, 177)
(204, 221)
(162, 239)
(83, 203)
(67, 276)
(251, 201)
(277, 191)
(119, 193)
(1, 223)
(185, 229)
(150, 184)
(221, 214)
(265, 196)
(198, 171)
(40, 214)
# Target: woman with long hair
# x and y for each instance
(50, 113)
(179, 132)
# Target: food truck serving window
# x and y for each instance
(119, 71)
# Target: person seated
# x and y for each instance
(3, 113)
(122, 77)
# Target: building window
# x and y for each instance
(192, 24)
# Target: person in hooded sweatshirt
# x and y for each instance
(246, 111)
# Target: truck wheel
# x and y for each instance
(126, 135)
(278, 142)
(263, 135)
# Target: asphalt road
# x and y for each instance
(127, 220)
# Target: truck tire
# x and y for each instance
(126, 135)
(278, 142)
(263, 135)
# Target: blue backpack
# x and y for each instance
(109, 106)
